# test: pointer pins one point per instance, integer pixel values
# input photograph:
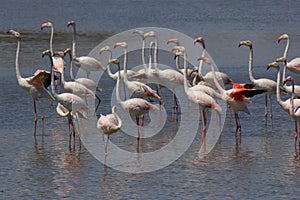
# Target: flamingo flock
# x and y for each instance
(204, 90)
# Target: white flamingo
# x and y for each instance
(236, 98)
(209, 78)
(109, 124)
(202, 99)
(136, 107)
(265, 84)
(70, 104)
(33, 85)
(141, 90)
(293, 65)
(290, 104)
(86, 63)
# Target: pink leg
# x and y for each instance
(105, 145)
(143, 119)
(230, 112)
(42, 115)
(238, 124)
(35, 118)
(138, 134)
(203, 136)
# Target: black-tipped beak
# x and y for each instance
(239, 45)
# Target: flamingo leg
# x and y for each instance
(230, 112)
(143, 119)
(35, 117)
(238, 124)
(138, 134)
(70, 131)
(266, 105)
(203, 136)
(296, 136)
(42, 115)
(271, 113)
(176, 106)
(99, 101)
(105, 145)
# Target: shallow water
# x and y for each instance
(262, 165)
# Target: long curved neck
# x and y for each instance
(201, 62)
(51, 40)
(71, 68)
(110, 74)
(252, 79)
(18, 74)
(63, 81)
(117, 87)
(143, 53)
(278, 89)
(155, 59)
(219, 87)
(185, 65)
(125, 65)
(285, 54)
(52, 77)
(74, 42)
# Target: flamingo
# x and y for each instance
(114, 76)
(86, 63)
(33, 85)
(168, 77)
(73, 105)
(109, 124)
(236, 98)
(88, 83)
(141, 90)
(74, 87)
(136, 107)
(265, 84)
(293, 65)
(58, 62)
(209, 76)
(202, 99)
(290, 104)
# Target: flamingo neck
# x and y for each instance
(74, 42)
(125, 66)
(71, 68)
(51, 40)
(278, 89)
(252, 79)
(110, 74)
(18, 74)
(285, 54)
(117, 88)
(155, 53)
(219, 87)
(201, 63)
(52, 77)
(143, 53)
(185, 65)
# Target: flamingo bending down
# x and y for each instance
(202, 99)
(74, 106)
(209, 76)
(293, 65)
(33, 85)
(236, 98)
(114, 76)
(265, 84)
(288, 105)
(109, 124)
(134, 106)
(87, 63)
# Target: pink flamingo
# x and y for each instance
(236, 98)
(290, 105)
(33, 85)
(109, 124)
(136, 107)
(86, 63)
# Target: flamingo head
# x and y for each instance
(15, 33)
(114, 61)
(120, 44)
(139, 32)
(282, 37)
(199, 40)
(71, 23)
(173, 40)
(206, 60)
(179, 48)
(46, 25)
(149, 34)
(178, 53)
(106, 48)
(67, 51)
(46, 53)
(281, 59)
(246, 43)
(273, 64)
(288, 79)
(59, 53)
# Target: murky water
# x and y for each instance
(263, 165)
